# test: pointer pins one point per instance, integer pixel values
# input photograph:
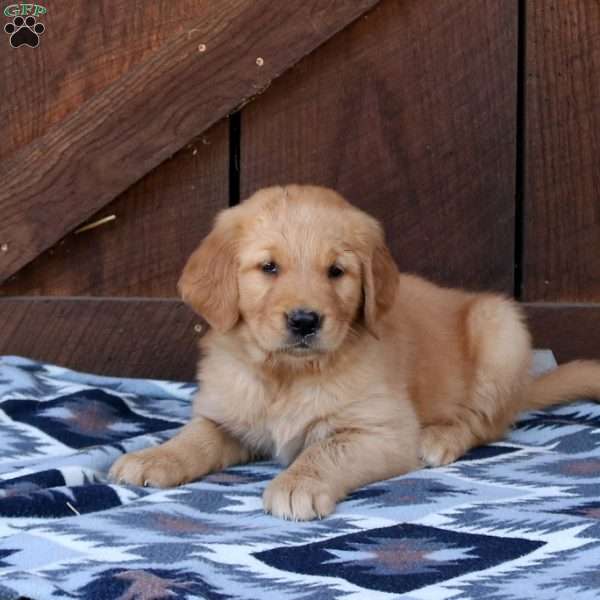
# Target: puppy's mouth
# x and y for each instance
(302, 346)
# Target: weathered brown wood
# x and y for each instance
(129, 338)
(410, 113)
(86, 46)
(79, 165)
(156, 338)
(570, 330)
(159, 221)
(562, 174)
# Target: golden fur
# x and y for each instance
(402, 372)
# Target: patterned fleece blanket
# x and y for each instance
(518, 519)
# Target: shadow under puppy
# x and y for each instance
(322, 355)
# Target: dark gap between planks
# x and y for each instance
(520, 150)
(235, 138)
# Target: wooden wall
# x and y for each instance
(159, 219)
(411, 114)
(468, 127)
(561, 200)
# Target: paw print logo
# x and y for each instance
(24, 32)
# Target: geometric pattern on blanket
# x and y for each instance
(518, 519)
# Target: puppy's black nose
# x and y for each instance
(303, 322)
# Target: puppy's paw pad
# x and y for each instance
(153, 467)
(439, 445)
(298, 499)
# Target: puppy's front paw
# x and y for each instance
(154, 467)
(440, 445)
(298, 498)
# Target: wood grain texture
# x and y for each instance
(156, 338)
(123, 338)
(571, 331)
(410, 113)
(562, 176)
(159, 221)
(86, 46)
(150, 112)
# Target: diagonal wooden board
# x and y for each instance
(58, 181)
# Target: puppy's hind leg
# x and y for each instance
(498, 350)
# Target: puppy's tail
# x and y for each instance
(569, 382)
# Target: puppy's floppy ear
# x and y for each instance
(380, 277)
(209, 280)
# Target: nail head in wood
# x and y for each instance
(260, 61)
(4, 247)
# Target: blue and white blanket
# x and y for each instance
(516, 520)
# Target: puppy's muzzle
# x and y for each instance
(303, 323)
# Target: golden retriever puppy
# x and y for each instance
(321, 355)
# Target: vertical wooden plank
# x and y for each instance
(158, 222)
(410, 113)
(562, 177)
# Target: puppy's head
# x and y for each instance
(298, 269)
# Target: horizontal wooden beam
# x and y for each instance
(158, 338)
(570, 330)
(232, 53)
(120, 337)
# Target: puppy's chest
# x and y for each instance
(275, 420)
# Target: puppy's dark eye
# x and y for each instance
(270, 267)
(334, 272)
